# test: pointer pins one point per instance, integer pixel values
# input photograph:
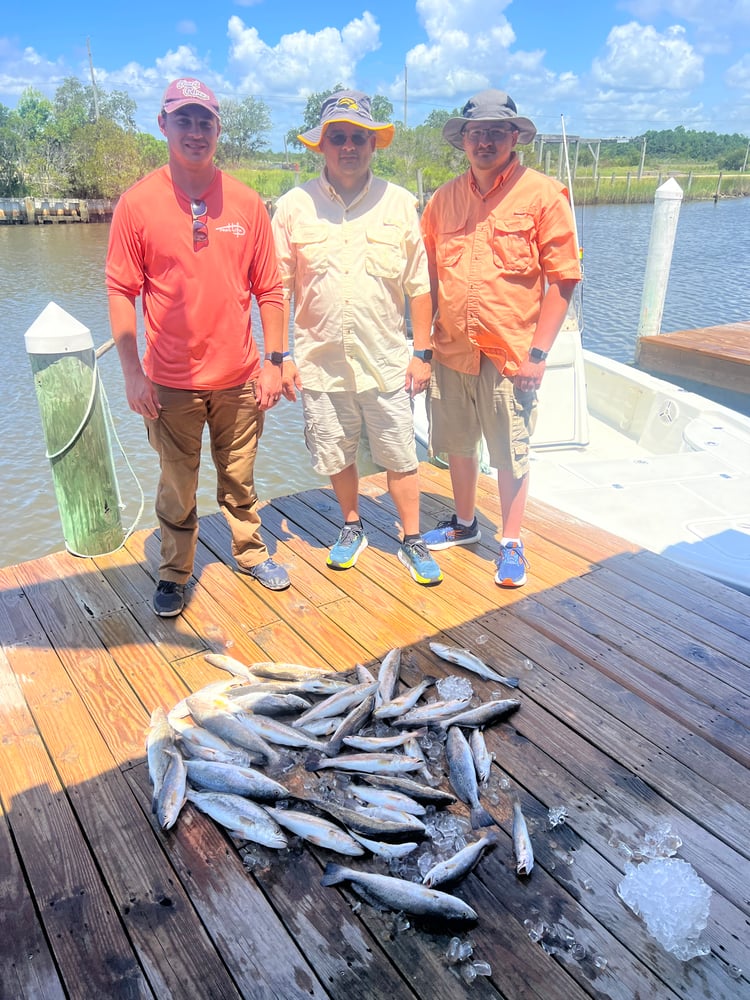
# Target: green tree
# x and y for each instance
(244, 129)
(104, 160)
(11, 178)
(382, 109)
(311, 115)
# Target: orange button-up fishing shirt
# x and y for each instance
(490, 259)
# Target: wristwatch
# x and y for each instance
(276, 357)
(536, 355)
(425, 355)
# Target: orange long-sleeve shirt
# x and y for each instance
(490, 258)
(196, 303)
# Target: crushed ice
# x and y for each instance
(665, 891)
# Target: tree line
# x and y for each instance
(84, 144)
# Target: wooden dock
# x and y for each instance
(714, 355)
(635, 711)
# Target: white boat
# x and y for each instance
(642, 458)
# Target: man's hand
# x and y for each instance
(291, 380)
(268, 388)
(529, 376)
(141, 395)
(417, 376)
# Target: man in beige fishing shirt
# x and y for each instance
(350, 255)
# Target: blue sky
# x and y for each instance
(610, 68)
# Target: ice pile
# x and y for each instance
(451, 687)
(459, 958)
(673, 901)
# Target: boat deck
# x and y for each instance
(713, 355)
(635, 711)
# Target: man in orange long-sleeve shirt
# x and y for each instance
(194, 244)
(503, 264)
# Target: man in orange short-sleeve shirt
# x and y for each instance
(194, 244)
(503, 262)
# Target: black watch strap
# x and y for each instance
(536, 355)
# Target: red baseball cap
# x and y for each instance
(189, 91)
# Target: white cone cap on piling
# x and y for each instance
(56, 332)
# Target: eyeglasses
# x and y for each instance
(200, 224)
(341, 138)
(496, 134)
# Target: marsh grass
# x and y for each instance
(609, 188)
(623, 189)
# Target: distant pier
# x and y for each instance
(52, 211)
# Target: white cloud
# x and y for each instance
(467, 49)
(301, 62)
(187, 28)
(26, 68)
(640, 58)
(738, 75)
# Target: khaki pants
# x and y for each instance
(235, 425)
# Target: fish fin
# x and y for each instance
(480, 817)
(312, 761)
(511, 682)
(333, 874)
(332, 747)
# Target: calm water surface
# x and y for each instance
(709, 284)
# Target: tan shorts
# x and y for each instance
(463, 408)
(333, 427)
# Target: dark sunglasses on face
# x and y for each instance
(200, 225)
(341, 138)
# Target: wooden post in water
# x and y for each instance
(667, 201)
(68, 390)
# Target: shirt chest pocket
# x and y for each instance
(513, 245)
(311, 248)
(449, 248)
(384, 256)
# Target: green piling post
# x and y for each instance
(69, 393)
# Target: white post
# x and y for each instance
(667, 201)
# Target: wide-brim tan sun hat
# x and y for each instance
(488, 106)
(352, 107)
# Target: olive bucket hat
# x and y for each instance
(488, 106)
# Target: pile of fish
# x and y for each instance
(238, 749)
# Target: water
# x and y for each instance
(38, 264)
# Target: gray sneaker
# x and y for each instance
(169, 599)
(269, 574)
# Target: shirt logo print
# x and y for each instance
(232, 227)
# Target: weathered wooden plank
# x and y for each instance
(89, 944)
(699, 596)
(718, 355)
(308, 579)
(27, 969)
(170, 943)
(698, 800)
(663, 649)
(265, 961)
(696, 636)
(727, 735)
(647, 736)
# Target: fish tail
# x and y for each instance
(333, 874)
(512, 682)
(480, 817)
(312, 761)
